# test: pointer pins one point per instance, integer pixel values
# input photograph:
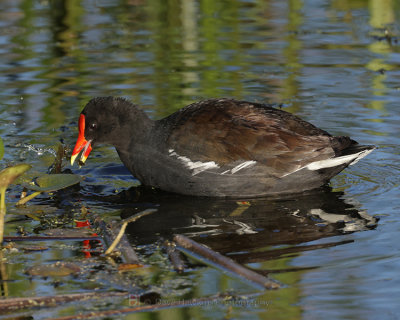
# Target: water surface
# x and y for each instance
(334, 63)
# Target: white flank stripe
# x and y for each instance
(196, 166)
(240, 167)
(243, 165)
(333, 162)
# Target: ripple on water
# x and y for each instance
(372, 176)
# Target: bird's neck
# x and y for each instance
(134, 128)
(135, 139)
(139, 125)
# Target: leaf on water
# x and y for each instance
(129, 266)
(34, 248)
(58, 269)
(1, 149)
(53, 182)
(69, 232)
(8, 175)
(34, 210)
(138, 269)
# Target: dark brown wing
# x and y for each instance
(227, 130)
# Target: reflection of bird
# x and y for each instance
(243, 227)
(218, 147)
(351, 223)
(282, 220)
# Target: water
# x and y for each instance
(334, 63)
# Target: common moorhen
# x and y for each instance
(217, 147)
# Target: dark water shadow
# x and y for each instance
(249, 230)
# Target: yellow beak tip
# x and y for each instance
(73, 159)
(83, 159)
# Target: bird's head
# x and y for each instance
(99, 122)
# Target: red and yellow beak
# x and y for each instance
(81, 143)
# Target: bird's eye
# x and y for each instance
(93, 126)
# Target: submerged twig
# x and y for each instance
(174, 256)
(138, 215)
(43, 238)
(25, 199)
(109, 233)
(193, 248)
(117, 239)
(160, 305)
(13, 304)
(124, 224)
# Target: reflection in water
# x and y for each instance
(231, 226)
(329, 61)
(265, 234)
(382, 15)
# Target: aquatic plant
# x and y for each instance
(7, 176)
(49, 183)
(44, 183)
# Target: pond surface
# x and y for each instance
(334, 63)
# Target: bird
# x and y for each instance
(222, 148)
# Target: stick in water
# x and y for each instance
(174, 256)
(206, 301)
(12, 304)
(123, 227)
(193, 248)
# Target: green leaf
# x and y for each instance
(58, 269)
(53, 182)
(1, 149)
(8, 175)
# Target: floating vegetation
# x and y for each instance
(57, 269)
(1, 149)
(8, 176)
(44, 183)
(49, 183)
